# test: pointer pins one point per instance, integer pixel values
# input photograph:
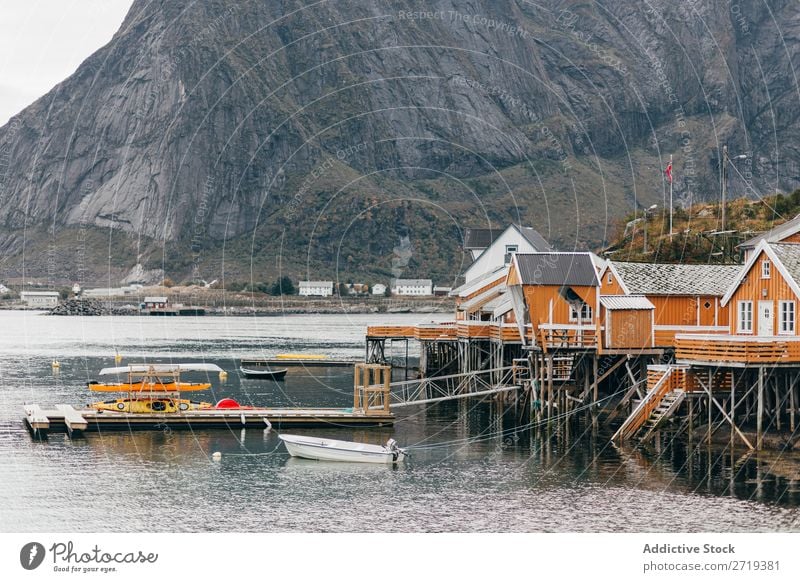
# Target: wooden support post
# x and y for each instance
(777, 403)
(549, 387)
(691, 421)
(760, 412)
(792, 402)
(733, 404)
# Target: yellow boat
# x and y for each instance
(152, 388)
(148, 405)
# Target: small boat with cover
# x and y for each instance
(265, 374)
(344, 451)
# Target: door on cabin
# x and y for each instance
(766, 318)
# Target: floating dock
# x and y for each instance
(64, 417)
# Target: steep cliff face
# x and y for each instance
(326, 132)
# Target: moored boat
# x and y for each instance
(320, 449)
(265, 374)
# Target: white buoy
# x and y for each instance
(56, 364)
(216, 456)
(223, 375)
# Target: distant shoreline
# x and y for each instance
(276, 307)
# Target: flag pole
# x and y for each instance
(670, 196)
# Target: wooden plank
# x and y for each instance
(36, 417)
(72, 418)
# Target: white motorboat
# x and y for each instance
(344, 451)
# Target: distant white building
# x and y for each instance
(45, 299)
(316, 288)
(4, 289)
(379, 289)
(420, 287)
(111, 291)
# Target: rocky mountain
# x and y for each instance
(239, 139)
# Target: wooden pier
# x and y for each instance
(65, 418)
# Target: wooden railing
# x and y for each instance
(506, 332)
(555, 336)
(449, 330)
(474, 329)
(737, 349)
(390, 331)
(664, 335)
(436, 331)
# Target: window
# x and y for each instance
(510, 250)
(745, 322)
(766, 267)
(586, 312)
(610, 278)
(786, 317)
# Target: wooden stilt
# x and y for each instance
(760, 412)
(792, 402)
(733, 405)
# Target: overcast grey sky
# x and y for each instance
(42, 42)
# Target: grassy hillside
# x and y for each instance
(697, 231)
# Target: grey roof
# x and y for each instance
(789, 255)
(536, 239)
(666, 279)
(776, 234)
(480, 238)
(621, 302)
(557, 269)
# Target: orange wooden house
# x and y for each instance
(558, 294)
(686, 298)
(763, 302)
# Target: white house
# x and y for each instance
(46, 299)
(316, 288)
(420, 287)
(514, 239)
(379, 289)
(4, 289)
(155, 302)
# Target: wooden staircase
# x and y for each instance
(658, 405)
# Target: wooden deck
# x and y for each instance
(737, 350)
(66, 418)
(448, 331)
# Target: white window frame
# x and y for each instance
(587, 314)
(766, 269)
(786, 308)
(744, 316)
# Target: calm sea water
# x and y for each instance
(474, 468)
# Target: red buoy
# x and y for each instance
(227, 403)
